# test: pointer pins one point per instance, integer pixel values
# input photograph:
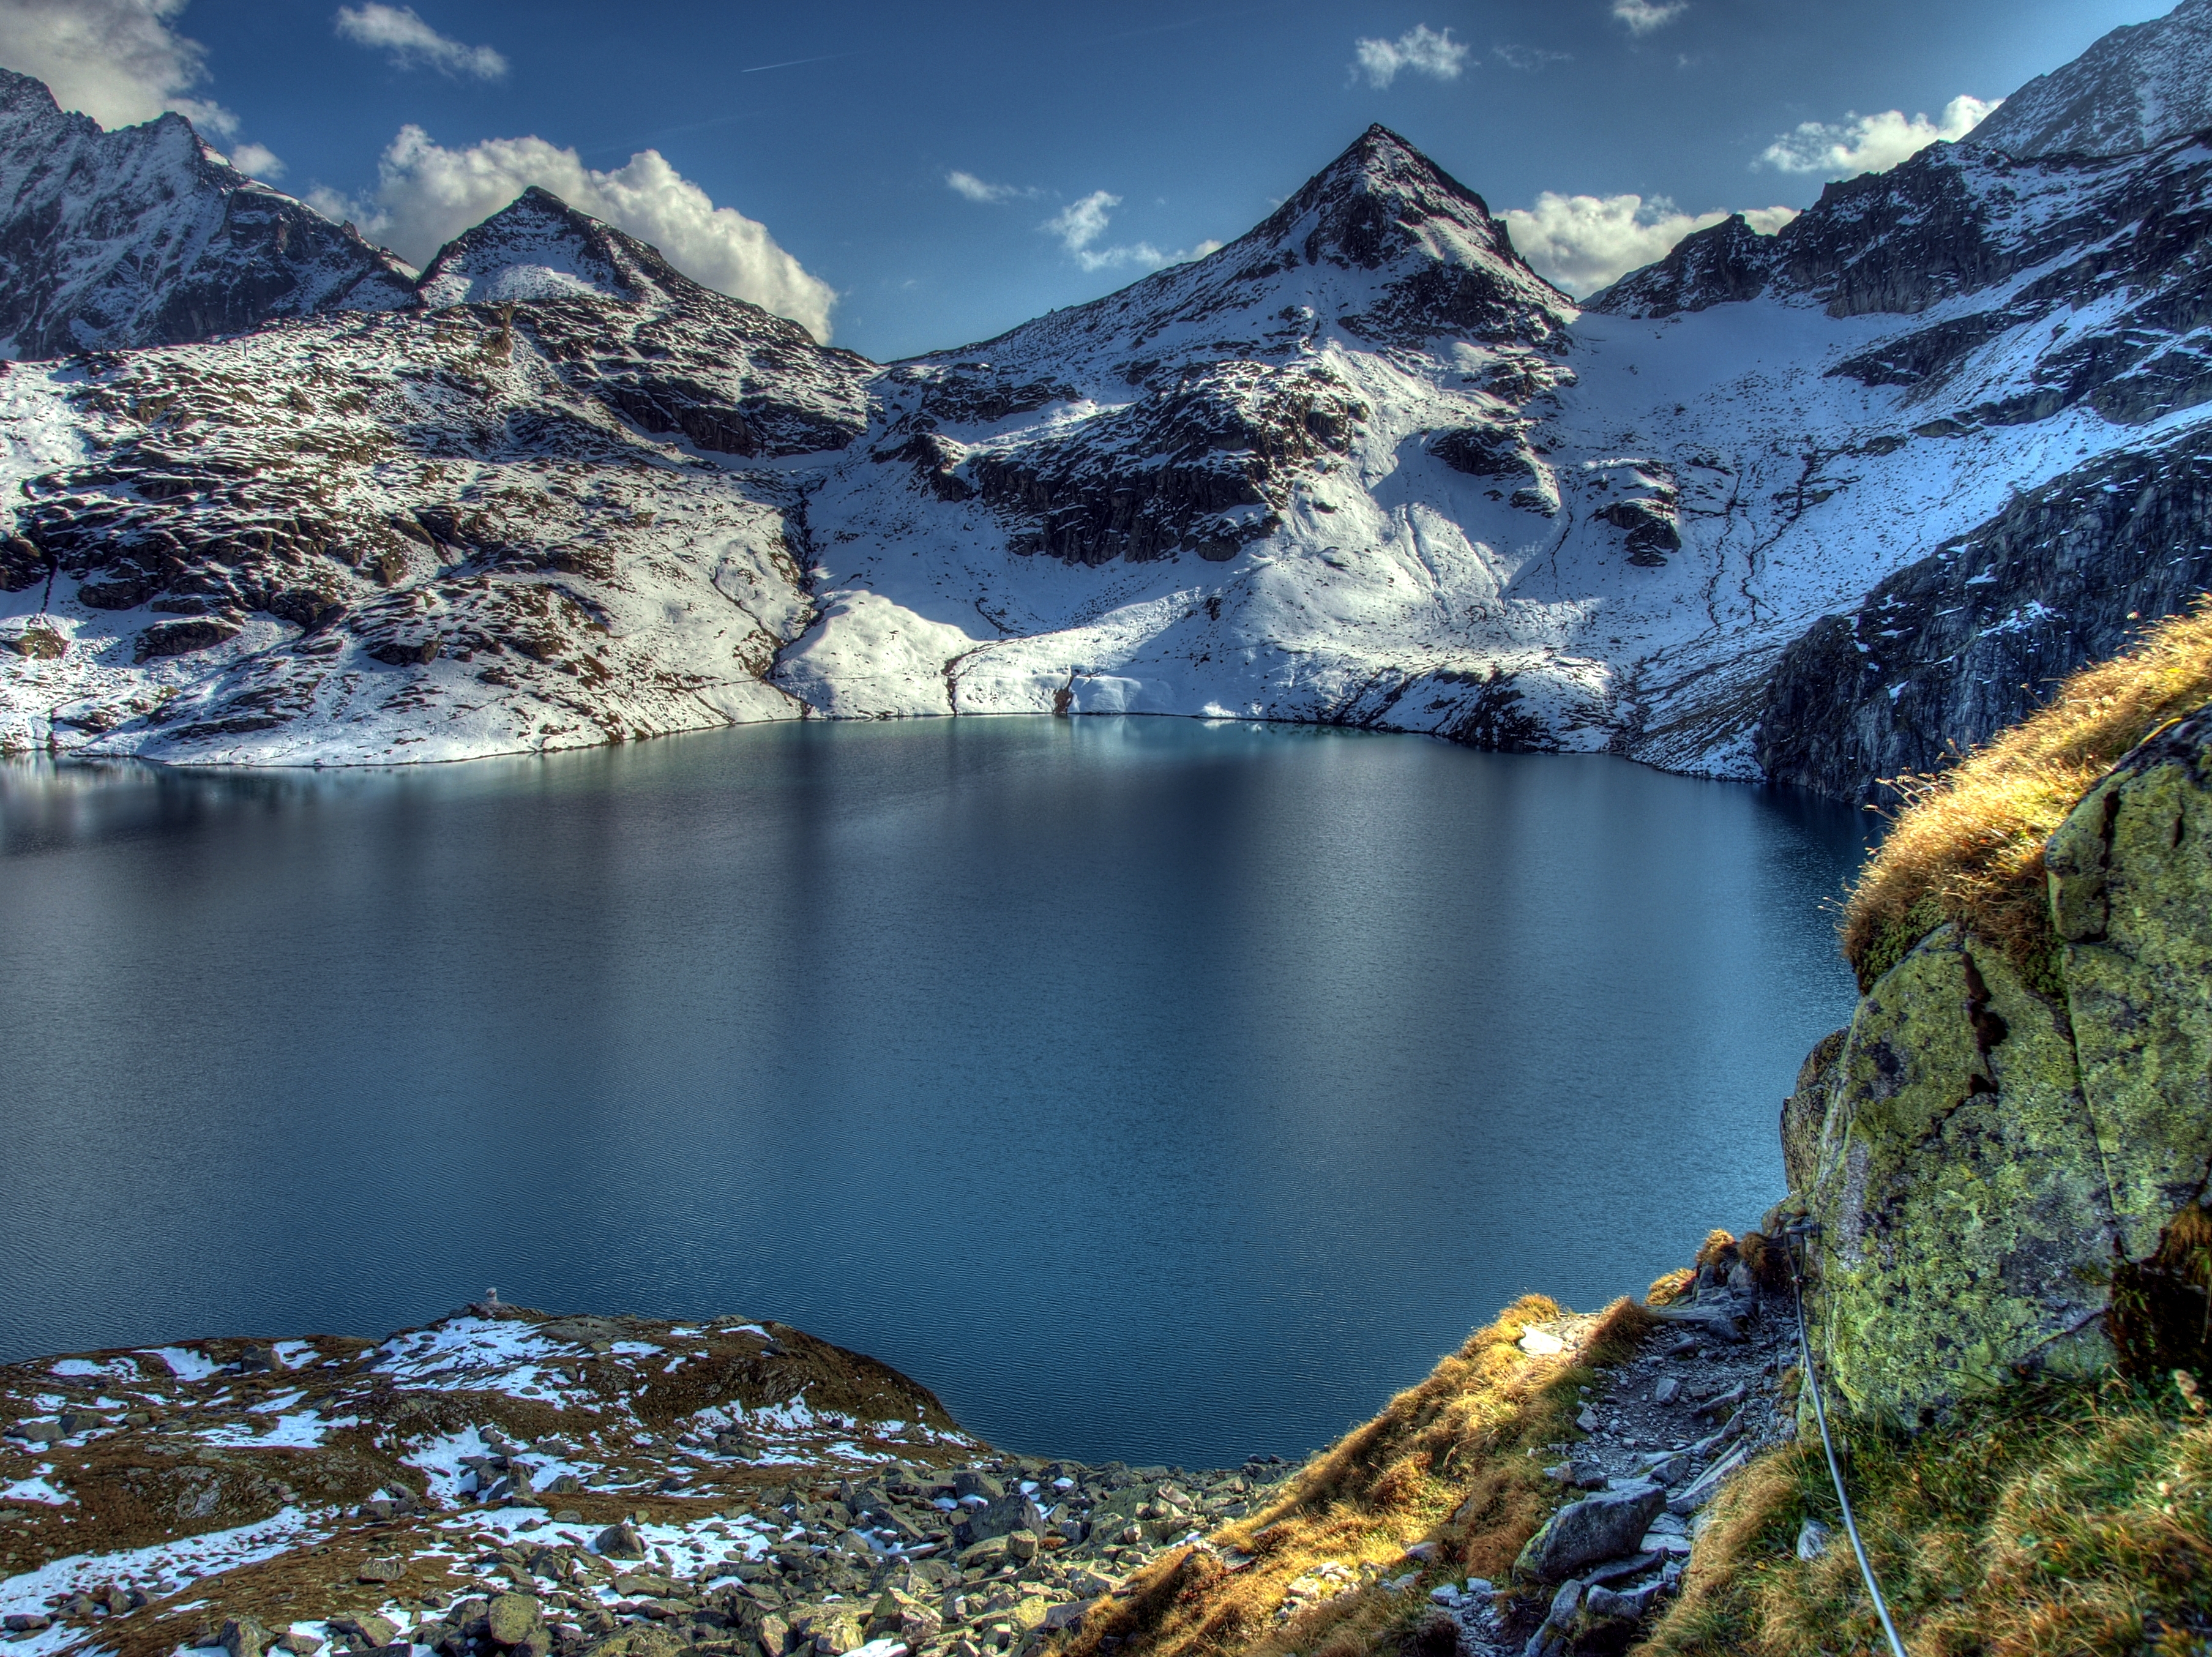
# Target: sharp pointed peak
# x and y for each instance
(539, 248)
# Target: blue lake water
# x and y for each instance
(1150, 1089)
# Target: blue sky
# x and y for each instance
(837, 125)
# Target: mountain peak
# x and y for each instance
(539, 247)
(1381, 199)
(144, 236)
(2138, 87)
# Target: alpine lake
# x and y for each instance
(1151, 1089)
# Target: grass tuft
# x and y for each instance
(2068, 1518)
(1448, 1462)
(1967, 845)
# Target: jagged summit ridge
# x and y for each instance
(2138, 87)
(144, 236)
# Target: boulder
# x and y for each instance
(244, 1636)
(370, 1633)
(182, 638)
(514, 1619)
(619, 1541)
(645, 1640)
(2001, 1149)
(1602, 1526)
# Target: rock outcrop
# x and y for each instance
(1953, 648)
(1990, 1148)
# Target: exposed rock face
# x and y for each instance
(2137, 86)
(1988, 1157)
(1951, 650)
(495, 518)
(142, 236)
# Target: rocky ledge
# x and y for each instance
(504, 1481)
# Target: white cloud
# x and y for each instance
(119, 61)
(413, 43)
(1080, 223)
(1584, 242)
(1421, 51)
(976, 190)
(426, 195)
(1642, 16)
(1529, 59)
(1871, 143)
(257, 162)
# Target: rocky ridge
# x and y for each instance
(2137, 87)
(505, 1482)
(146, 236)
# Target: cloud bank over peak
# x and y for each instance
(1581, 243)
(411, 43)
(118, 61)
(427, 194)
(1871, 143)
(1420, 50)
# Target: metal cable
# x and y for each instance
(1835, 1472)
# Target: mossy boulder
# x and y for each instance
(1983, 1156)
(2130, 874)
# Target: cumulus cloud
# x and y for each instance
(976, 190)
(1584, 242)
(1421, 51)
(412, 43)
(427, 194)
(1081, 223)
(257, 162)
(119, 61)
(1642, 16)
(1871, 143)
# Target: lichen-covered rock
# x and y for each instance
(1602, 1526)
(1983, 1161)
(2130, 873)
(1806, 1108)
(1964, 1224)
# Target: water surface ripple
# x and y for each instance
(1150, 1089)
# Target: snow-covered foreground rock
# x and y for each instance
(730, 1485)
(1814, 506)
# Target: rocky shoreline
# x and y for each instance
(504, 1481)
(506, 1484)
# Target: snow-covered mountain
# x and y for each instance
(2137, 87)
(1810, 506)
(426, 533)
(145, 236)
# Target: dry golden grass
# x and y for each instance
(2069, 1519)
(1447, 1462)
(1967, 845)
